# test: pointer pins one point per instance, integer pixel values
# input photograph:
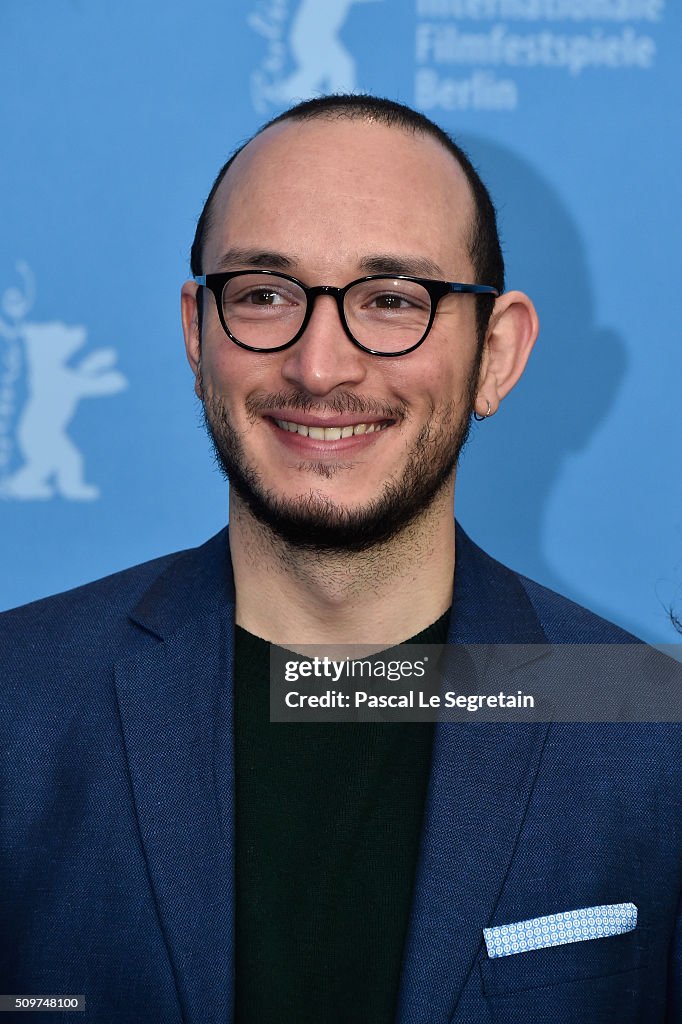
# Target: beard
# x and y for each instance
(316, 523)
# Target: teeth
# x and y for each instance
(330, 433)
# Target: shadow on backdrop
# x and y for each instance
(513, 461)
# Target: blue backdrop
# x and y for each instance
(116, 119)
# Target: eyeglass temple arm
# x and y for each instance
(474, 289)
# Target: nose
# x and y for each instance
(324, 357)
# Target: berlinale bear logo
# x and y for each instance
(40, 388)
(305, 54)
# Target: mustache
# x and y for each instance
(340, 402)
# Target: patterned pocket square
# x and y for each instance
(557, 929)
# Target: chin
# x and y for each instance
(314, 520)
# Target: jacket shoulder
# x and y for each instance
(109, 596)
(524, 610)
(96, 621)
(564, 621)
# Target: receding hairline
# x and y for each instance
(345, 113)
(351, 114)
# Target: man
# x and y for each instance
(173, 855)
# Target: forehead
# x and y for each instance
(332, 191)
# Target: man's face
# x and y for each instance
(328, 202)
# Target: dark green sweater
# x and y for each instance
(328, 825)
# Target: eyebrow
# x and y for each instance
(376, 263)
(391, 263)
(256, 258)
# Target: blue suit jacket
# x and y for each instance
(117, 815)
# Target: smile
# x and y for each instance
(331, 433)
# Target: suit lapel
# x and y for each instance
(175, 701)
(481, 781)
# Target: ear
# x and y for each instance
(510, 337)
(189, 297)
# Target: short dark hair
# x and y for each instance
(485, 250)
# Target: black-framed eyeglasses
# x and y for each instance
(264, 311)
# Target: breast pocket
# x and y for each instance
(594, 980)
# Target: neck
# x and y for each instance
(381, 596)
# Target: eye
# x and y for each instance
(389, 297)
(264, 297)
(246, 294)
(391, 300)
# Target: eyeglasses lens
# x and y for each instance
(387, 314)
(263, 311)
